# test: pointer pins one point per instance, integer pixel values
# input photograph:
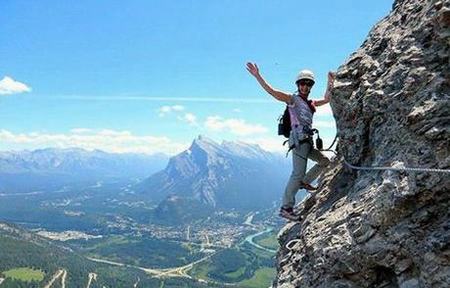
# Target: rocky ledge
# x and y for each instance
(380, 228)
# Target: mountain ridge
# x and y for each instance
(210, 172)
(23, 171)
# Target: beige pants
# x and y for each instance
(300, 155)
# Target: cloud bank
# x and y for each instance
(89, 139)
(235, 126)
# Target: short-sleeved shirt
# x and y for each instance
(301, 112)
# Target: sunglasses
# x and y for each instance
(308, 83)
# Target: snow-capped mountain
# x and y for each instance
(230, 175)
(23, 170)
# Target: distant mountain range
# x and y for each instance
(227, 175)
(40, 169)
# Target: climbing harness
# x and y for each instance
(309, 138)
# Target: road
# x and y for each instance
(249, 219)
(137, 282)
(158, 273)
(176, 271)
(63, 279)
(92, 276)
(59, 273)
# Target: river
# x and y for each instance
(250, 238)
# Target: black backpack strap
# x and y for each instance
(289, 150)
(290, 147)
(293, 146)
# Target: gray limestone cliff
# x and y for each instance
(392, 107)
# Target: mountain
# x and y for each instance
(372, 227)
(227, 175)
(26, 170)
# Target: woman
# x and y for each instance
(301, 112)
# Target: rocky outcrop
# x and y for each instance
(392, 107)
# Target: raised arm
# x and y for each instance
(326, 97)
(279, 95)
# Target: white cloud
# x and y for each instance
(235, 126)
(324, 124)
(190, 118)
(272, 144)
(114, 133)
(80, 130)
(324, 110)
(107, 140)
(10, 86)
(237, 110)
(187, 117)
(163, 110)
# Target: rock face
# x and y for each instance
(392, 107)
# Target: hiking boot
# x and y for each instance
(308, 186)
(288, 213)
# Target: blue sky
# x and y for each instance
(149, 76)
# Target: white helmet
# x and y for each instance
(305, 74)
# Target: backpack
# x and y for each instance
(284, 123)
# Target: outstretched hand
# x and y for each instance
(331, 77)
(330, 85)
(253, 69)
